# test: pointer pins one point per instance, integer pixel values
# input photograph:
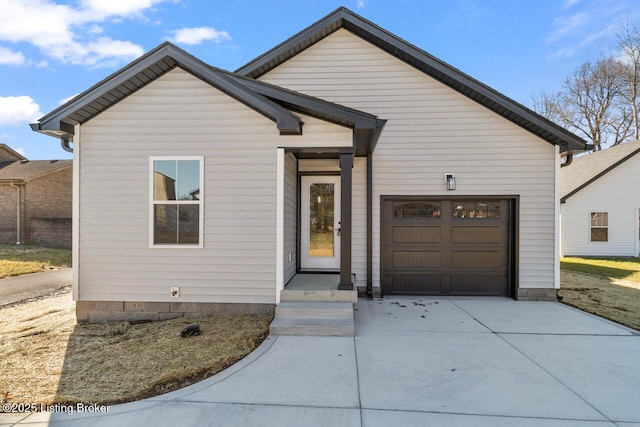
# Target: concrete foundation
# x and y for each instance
(535, 294)
(118, 311)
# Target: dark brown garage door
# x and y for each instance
(446, 247)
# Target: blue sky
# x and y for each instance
(51, 50)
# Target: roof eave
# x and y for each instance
(365, 124)
(59, 123)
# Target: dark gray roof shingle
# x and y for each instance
(588, 168)
(28, 170)
(8, 154)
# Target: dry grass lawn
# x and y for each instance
(616, 268)
(613, 299)
(24, 259)
(46, 358)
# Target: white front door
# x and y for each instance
(320, 228)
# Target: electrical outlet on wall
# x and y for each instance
(175, 292)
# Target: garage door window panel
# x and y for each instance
(476, 210)
(416, 210)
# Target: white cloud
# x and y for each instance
(360, 4)
(67, 99)
(197, 35)
(9, 57)
(569, 3)
(568, 25)
(591, 24)
(96, 29)
(18, 110)
(100, 9)
(571, 48)
(67, 33)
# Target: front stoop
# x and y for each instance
(335, 295)
(314, 318)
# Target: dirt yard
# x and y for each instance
(46, 358)
(613, 299)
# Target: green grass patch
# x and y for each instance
(617, 268)
(24, 259)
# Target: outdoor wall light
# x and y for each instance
(450, 180)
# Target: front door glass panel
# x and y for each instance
(321, 220)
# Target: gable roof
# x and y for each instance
(586, 169)
(271, 101)
(8, 154)
(367, 127)
(421, 60)
(142, 71)
(28, 170)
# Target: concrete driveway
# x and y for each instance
(415, 361)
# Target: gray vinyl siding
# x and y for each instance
(616, 193)
(179, 115)
(359, 221)
(290, 215)
(433, 130)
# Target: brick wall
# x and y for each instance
(49, 209)
(8, 196)
(50, 232)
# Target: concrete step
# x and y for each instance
(289, 295)
(313, 318)
(330, 327)
(336, 310)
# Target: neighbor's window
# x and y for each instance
(176, 201)
(599, 226)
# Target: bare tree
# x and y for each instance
(591, 103)
(593, 92)
(548, 105)
(601, 100)
(629, 43)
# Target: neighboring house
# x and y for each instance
(344, 149)
(600, 210)
(35, 200)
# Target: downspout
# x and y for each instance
(369, 226)
(64, 142)
(568, 161)
(18, 211)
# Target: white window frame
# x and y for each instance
(199, 202)
(591, 227)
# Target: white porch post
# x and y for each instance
(75, 217)
(279, 223)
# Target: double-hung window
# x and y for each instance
(599, 226)
(176, 205)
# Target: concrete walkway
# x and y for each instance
(20, 288)
(414, 361)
